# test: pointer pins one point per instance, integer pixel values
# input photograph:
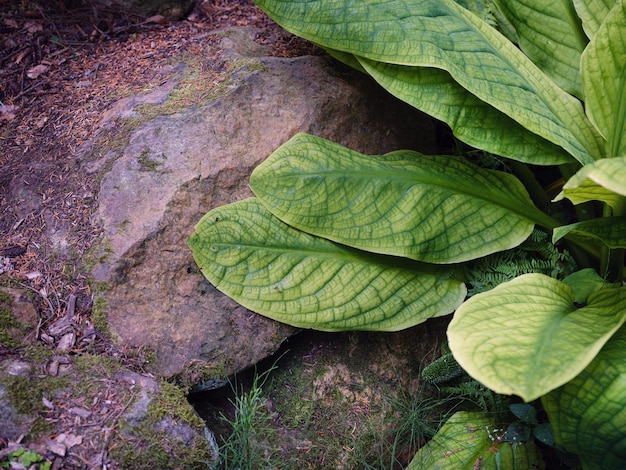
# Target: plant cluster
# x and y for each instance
(336, 240)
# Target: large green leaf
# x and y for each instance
(609, 230)
(442, 34)
(604, 180)
(585, 282)
(603, 69)
(309, 282)
(588, 414)
(436, 209)
(592, 13)
(469, 441)
(550, 33)
(526, 336)
(472, 120)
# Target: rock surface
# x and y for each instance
(176, 168)
(146, 423)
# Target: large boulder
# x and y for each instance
(177, 167)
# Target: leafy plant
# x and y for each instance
(336, 240)
(24, 458)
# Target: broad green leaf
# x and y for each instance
(550, 33)
(603, 69)
(469, 441)
(442, 34)
(592, 14)
(604, 180)
(609, 230)
(473, 121)
(585, 282)
(526, 336)
(309, 282)
(588, 414)
(435, 209)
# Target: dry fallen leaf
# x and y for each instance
(33, 27)
(36, 71)
(7, 112)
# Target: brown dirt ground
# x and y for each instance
(62, 64)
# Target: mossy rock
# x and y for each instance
(104, 413)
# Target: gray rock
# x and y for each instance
(121, 417)
(177, 167)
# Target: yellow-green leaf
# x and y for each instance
(470, 441)
(588, 414)
(435, 209)
(309, 282)
(609, 230)
(527, 337)
(550, 33)
(592, 13)
(603, 69)
(604, 180)
(442, 34)
(472, 120)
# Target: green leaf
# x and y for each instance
(309, 282)
(592, 13)
(470, 440)
(442, 34)
(435, 209)
(473, 121)
(603, 180)
(526, 337)
(609, 230)
(603, 69)
(550, 33)
(585, 282)
(588, 414)
(525, 412)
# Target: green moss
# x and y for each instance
(26, 393)
(150, 163)
(9, 326)
(150, 446)
(98, 315)
(197, 372)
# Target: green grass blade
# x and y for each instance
(310, 282)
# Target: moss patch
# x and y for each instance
(11, 330)
(150, 445)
